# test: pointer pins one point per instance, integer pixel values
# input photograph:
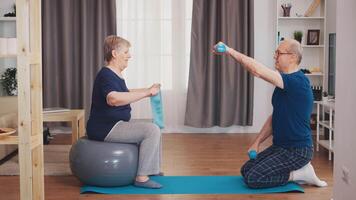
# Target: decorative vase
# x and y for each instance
(286, 9)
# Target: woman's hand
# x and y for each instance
(154, 89)
(220, 48)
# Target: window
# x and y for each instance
(159, 31)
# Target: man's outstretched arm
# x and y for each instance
(256, 68)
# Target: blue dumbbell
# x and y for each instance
(252, 154)
(221, 48)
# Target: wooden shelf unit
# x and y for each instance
(8, 55)
(313, 55)
(8, 19)
(30, 119)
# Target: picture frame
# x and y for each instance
(313, 37)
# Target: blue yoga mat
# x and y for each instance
(195, 185)
(157, 110)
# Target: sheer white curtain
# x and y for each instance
(159, 32)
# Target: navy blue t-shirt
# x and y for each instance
(103, 116)
(292, 107)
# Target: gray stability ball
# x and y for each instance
(104, 164)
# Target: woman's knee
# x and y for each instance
(153, 130)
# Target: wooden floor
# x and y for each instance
(184, 154)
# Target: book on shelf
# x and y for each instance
(55, 110)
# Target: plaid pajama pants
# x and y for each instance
(272, 166)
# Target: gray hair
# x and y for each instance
(112, 42)
(296, 48)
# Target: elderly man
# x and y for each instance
(288, 159)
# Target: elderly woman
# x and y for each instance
(110, 113)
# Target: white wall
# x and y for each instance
(264, 19)
(331, 16)
(345, 126)
(8, 104)
(330, 28)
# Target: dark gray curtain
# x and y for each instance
(73, 32)
(220, 91)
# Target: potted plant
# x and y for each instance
(9, 82)
(298, 35)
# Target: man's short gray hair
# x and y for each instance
(296, 48)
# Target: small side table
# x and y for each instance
(76, 117)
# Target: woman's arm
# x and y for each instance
(123, 98)
(138, 90)
(144, 89)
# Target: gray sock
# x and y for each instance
(148, 184)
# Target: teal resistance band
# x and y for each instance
(157, 110)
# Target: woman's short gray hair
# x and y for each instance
(113, 42)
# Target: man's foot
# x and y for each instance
(148, 184)
(307, 175)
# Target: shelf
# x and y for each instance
(315, 74)
(301, 18)
(10, 140)
(8, 55)
(312, 46)
(325, 144)
(326, 125)
(8, 19)
(329, 104)
(35, 140)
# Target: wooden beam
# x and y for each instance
(38, 172)
(29, 67)
(34, 58)
(36, 140)
(35, 61)
(312, 8)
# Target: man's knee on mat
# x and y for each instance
(245, 170)
(255, 179)
(252, 181)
